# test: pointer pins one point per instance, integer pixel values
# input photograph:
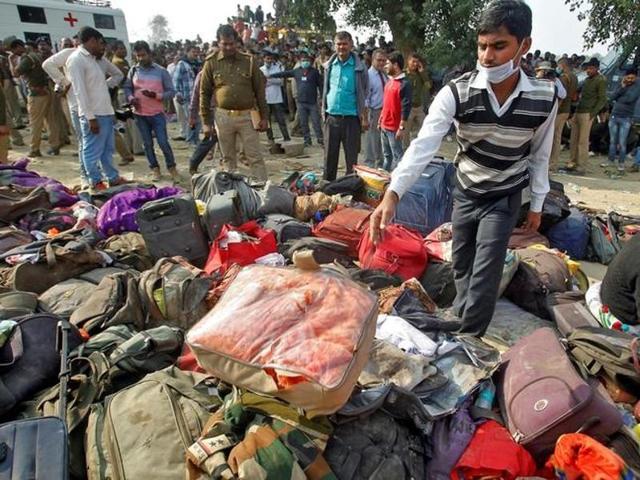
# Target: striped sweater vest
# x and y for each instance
(493, 152)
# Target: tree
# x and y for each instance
(160, 32)
(444, 30)
(613, 22)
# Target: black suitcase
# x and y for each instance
(222, 208)
(38, 448)
(171, 227)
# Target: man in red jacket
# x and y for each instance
(396, 108)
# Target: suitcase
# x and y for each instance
(542, 396)
(570, 316)
(171, 227)
(38, 448)
(222, 208)
(287, 228)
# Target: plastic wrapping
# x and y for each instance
(296, 326)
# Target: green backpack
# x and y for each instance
(145, 430)
(601, 351)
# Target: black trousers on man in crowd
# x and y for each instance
(340, 130)
(277, 110)
(481, 232)
(204, 147)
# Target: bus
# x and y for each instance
(29, 20)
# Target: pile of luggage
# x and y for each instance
(256, 332)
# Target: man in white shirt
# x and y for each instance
(504, 122)
(94, 107)
(275, 100)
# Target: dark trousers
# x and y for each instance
(481, 231)
(202, 149)
(345, 131)
(306, 111)
(277, 110)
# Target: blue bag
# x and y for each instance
(571, 235)
(429, 202)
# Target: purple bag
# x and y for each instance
(17, 174)
(542, 396)
(118, 214)
(450, 438)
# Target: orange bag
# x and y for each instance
(580, 457)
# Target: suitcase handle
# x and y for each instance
(160, 209)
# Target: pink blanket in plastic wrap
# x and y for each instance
(294, 324)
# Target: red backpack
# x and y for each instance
(345, 225)
(401, 252)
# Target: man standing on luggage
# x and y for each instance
(504, 121)
(275, 101)
(593, 99)
(238, 86)
(375, 92)
(96, 113)
(420, 86)
(308, 84)
(396, 108)
(147, 87)
(39, 101)
(346, 84)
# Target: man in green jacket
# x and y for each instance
(593, 98)
(420, 86)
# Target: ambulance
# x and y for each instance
(55, 19)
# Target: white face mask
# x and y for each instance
(501, 72)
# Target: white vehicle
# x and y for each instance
(55, 19)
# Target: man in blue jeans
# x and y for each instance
(625, 99)
(96, 113)
(147, 86)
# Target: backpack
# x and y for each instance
(429, 202)
(115, 301)
(351, 184)
(539, 273)
(554, 210)
(275, 200)
(437, 281)
(173, 293)
(610, 352)
(16, 201)
(129, 249)
(604, 241)
(64, 298)
(127, 439)
(324, 250)
(346, 225)
(401, 252)
(571, 235)
(207, 185)
(286, 228)
(11, 237)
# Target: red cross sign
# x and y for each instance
(70, 18)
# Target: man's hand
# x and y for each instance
(135, 102)
(94, 126)
(382, 215)
(263, 125)
(192, 123)
(399, 134)
(149, 93)
(4, 130)
(179, 99)
(532, 224)
(365, 123)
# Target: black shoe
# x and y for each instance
(53, 151)
(34, 154)
(20, 127)
(179, 139)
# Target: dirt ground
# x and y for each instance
(595, 189)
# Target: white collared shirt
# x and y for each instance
(91, 80)
(437, 123)
(274, 85)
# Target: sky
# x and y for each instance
(555, 28)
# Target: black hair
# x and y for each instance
(397, 58)
(226, 31)
(87, 33)
(631, 71)
(16, 42)
(118, 43)
(343, 35)
(514, 15)
(43, 40)
(141, 45)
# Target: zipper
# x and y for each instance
(178, 414)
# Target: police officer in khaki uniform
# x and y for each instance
(238, 86)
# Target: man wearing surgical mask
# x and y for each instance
(504, 122)
(308, 85)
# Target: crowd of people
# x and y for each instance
(266, 72)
